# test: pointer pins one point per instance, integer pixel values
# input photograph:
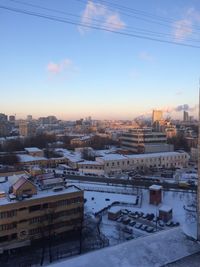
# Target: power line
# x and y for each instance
(67, 21)
(134, 30)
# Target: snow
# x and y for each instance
(29, 158)
(32, 149)
(155, 187)
(165, 208)
(153, 251)
(112, 157)
(175, 200)
(96, 201)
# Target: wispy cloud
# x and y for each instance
(146, 56)
(56, 68)
(96, 14)
(184, 28)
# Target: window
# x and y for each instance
(34, 208)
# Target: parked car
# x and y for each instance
(127, 230)
(169, 223)
(161, 223)
(126, 221)
(144, 227)
(149, 229)
(138, 225)
(132, 223)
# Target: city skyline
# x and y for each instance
(69, 71)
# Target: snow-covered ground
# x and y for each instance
(176, 200)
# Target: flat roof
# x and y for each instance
(29, 158)
(32, 149)
(165, 208)
(155, 187)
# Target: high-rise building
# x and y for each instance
(185, 116)
(27, 129)
(5, 128)
(3, 117)
(157, 115)
(29, 117)
(12, 118)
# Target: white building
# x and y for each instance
(116, 163)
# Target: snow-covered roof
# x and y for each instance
(113, 157)
(32, 149)
(72, 156)
(154, 250)
(115, 209)
(29, 158)
(165, 208)
(155, 187)
(151, 155)
(89, 162)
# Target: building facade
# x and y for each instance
(28, 214)
(144, 140)
(115, 163)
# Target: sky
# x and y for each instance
(48, 67)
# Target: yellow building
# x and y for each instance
(28, 214)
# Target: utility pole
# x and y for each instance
(198, 185)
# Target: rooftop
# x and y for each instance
(32, 149)
(154, 250)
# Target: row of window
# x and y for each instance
(8, 226)
(50, 228)
(51, 216)
(8, 214)
(62, 202)
(91, 167)
(114, 163)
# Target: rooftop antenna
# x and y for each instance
(198, 185)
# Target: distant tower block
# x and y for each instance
(155, 194)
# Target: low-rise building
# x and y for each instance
(34, 151)
(117, 163)
(28, 214)
(92, 167)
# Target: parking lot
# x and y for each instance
(132, 224)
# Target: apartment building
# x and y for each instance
(27, 129)
(144, 140)
(28, 214)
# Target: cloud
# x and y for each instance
(56, 68)
(146, 56)
(186, 107)
(96, 14)
(183, 28)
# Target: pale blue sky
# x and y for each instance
(48, 67)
